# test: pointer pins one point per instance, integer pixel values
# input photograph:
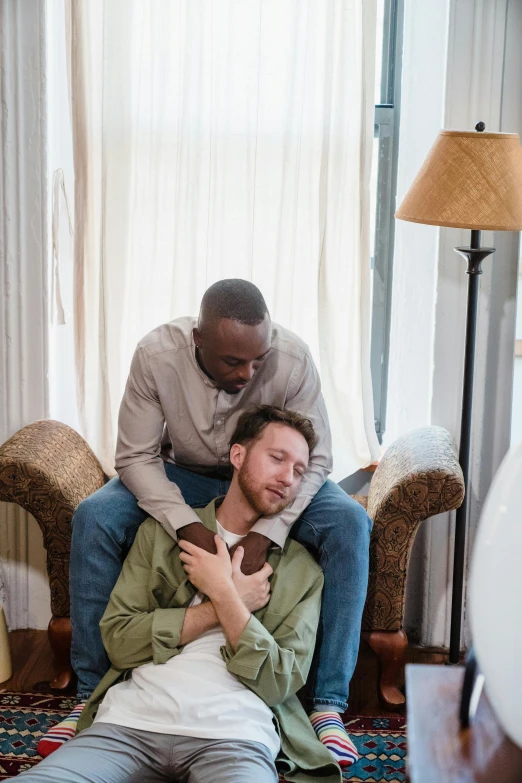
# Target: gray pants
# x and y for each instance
(105, 753)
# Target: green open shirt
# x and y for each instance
(145, 615)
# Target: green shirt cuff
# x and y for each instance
(252, 650)
(167, 625)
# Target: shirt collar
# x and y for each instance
(208, 381)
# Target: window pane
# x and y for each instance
(382, 192)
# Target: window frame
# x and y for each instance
(386, 129)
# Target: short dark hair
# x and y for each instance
(236, 299)
(252, 423)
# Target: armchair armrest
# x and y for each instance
(419, 476)
(48, 469)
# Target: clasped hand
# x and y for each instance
(215, 574)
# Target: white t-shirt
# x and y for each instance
(192, 695)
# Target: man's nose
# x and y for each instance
(247, 373)
(286, 475)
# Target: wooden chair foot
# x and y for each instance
(59, 633)
(390, 648)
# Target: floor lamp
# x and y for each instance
(470, 179)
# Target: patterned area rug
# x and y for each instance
(382, 745)
(25, 717)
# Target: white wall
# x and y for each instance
(415, 287)
(512, 116)
(464, 72)
(416, 246)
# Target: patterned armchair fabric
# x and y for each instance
(418, 477)
(48, 469)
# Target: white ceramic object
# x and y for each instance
(495, 594)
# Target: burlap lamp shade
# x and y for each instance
(468, 180)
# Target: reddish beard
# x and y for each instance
(254, 493)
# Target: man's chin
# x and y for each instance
(234, 389)
(269, 509)
(266, 503)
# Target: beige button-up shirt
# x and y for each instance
(171, 411)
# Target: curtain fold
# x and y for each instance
(24, 290)
(218, 138)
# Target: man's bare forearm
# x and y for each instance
(231, 613)
(198, 535)
(255, 548)
(198, 620)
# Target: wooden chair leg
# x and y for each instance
(59, 633)
(390, 648)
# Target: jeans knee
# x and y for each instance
(101, 516)
(351, 531)
(85, 514)
(361, 521)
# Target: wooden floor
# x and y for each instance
(32, 666)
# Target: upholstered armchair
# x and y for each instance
(48, 469)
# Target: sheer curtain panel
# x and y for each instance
(223, 138)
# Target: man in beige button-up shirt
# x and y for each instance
(189, 382)
(171, 402)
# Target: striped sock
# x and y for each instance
(63, 731)
(331, 732)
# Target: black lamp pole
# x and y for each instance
(474, 255)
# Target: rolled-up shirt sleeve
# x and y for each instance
(132, 633)
(276, 665)
(305, 397)
(138, 462)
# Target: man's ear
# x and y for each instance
(237, 455)
(196, 334)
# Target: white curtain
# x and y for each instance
(24, 328)
(224, 138)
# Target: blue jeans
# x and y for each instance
(335, 528)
